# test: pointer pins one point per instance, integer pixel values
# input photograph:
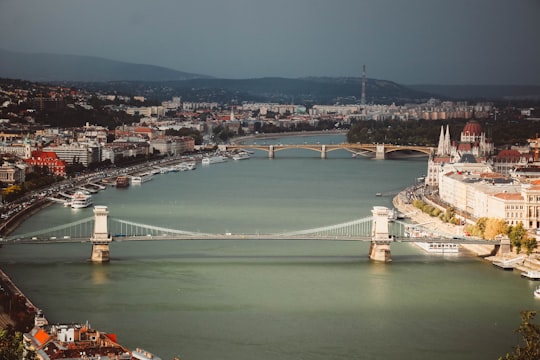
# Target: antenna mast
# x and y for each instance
(363, 99)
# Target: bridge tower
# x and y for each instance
(100, 238)
(271, 152)
(380, 240)
(323, 152)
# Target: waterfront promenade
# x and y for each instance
(417, 216)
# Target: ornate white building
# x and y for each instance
(473, 141)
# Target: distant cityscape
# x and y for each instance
(62, 132)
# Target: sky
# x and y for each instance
(482, 42)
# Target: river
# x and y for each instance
(205, 300)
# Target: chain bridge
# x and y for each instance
(100, 230)
(378, 150)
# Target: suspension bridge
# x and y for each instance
(101, 230)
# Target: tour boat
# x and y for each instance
(537, 292)
(122, 181)
(438, 248)
(141, 178)
(141, 354)
(241, 156)
(213, 160)
(531, 274)
(81, 200)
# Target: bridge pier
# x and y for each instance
(100, 238)
(379, 249)
(379, 153)
(504, 247)
(323, 152)
(271, 152)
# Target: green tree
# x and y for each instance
(517, 235)
(530, 333)
(11, 346)
(529, 243)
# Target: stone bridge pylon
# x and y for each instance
(379, 249)
(100, 238)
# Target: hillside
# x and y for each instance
(161, 83)
(50, 67)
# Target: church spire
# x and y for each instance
(447, 144)
(440, 148)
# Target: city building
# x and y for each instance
(472, 147)
(173, 145)
(12, 173)
(73, 341)
(83, 153)
(49, 160)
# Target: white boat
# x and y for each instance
(531, 274)
(537, 292)
(141, 354)
(81, 200)
(141, 178)
(241, 156)
(394, 214)
(213, 160)
(438, 248)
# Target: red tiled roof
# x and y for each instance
(42, 337)
(507, 196)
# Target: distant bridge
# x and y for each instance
(101, 229)
(379, 151)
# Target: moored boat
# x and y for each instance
(438, 247)
(213, 160)
(141, 178)
(531, 274)
(241, 156)
(81, 200)
(122, 181)
(537, 293)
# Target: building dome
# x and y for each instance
(472, 128)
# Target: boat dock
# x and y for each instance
(509, 264)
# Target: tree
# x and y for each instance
(529, 243)
(530, 334)
(517, 235)
(495, 227)
(11, 346)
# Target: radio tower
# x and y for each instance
(363, 99)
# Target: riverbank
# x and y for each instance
(11, 224)
(16, 310)
(485, 251)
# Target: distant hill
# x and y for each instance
(50, 67)
(313, 89)
(110, 74)
(492, 92)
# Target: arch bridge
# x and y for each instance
(100, 230)
(379, 151)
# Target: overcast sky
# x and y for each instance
(407, 41)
